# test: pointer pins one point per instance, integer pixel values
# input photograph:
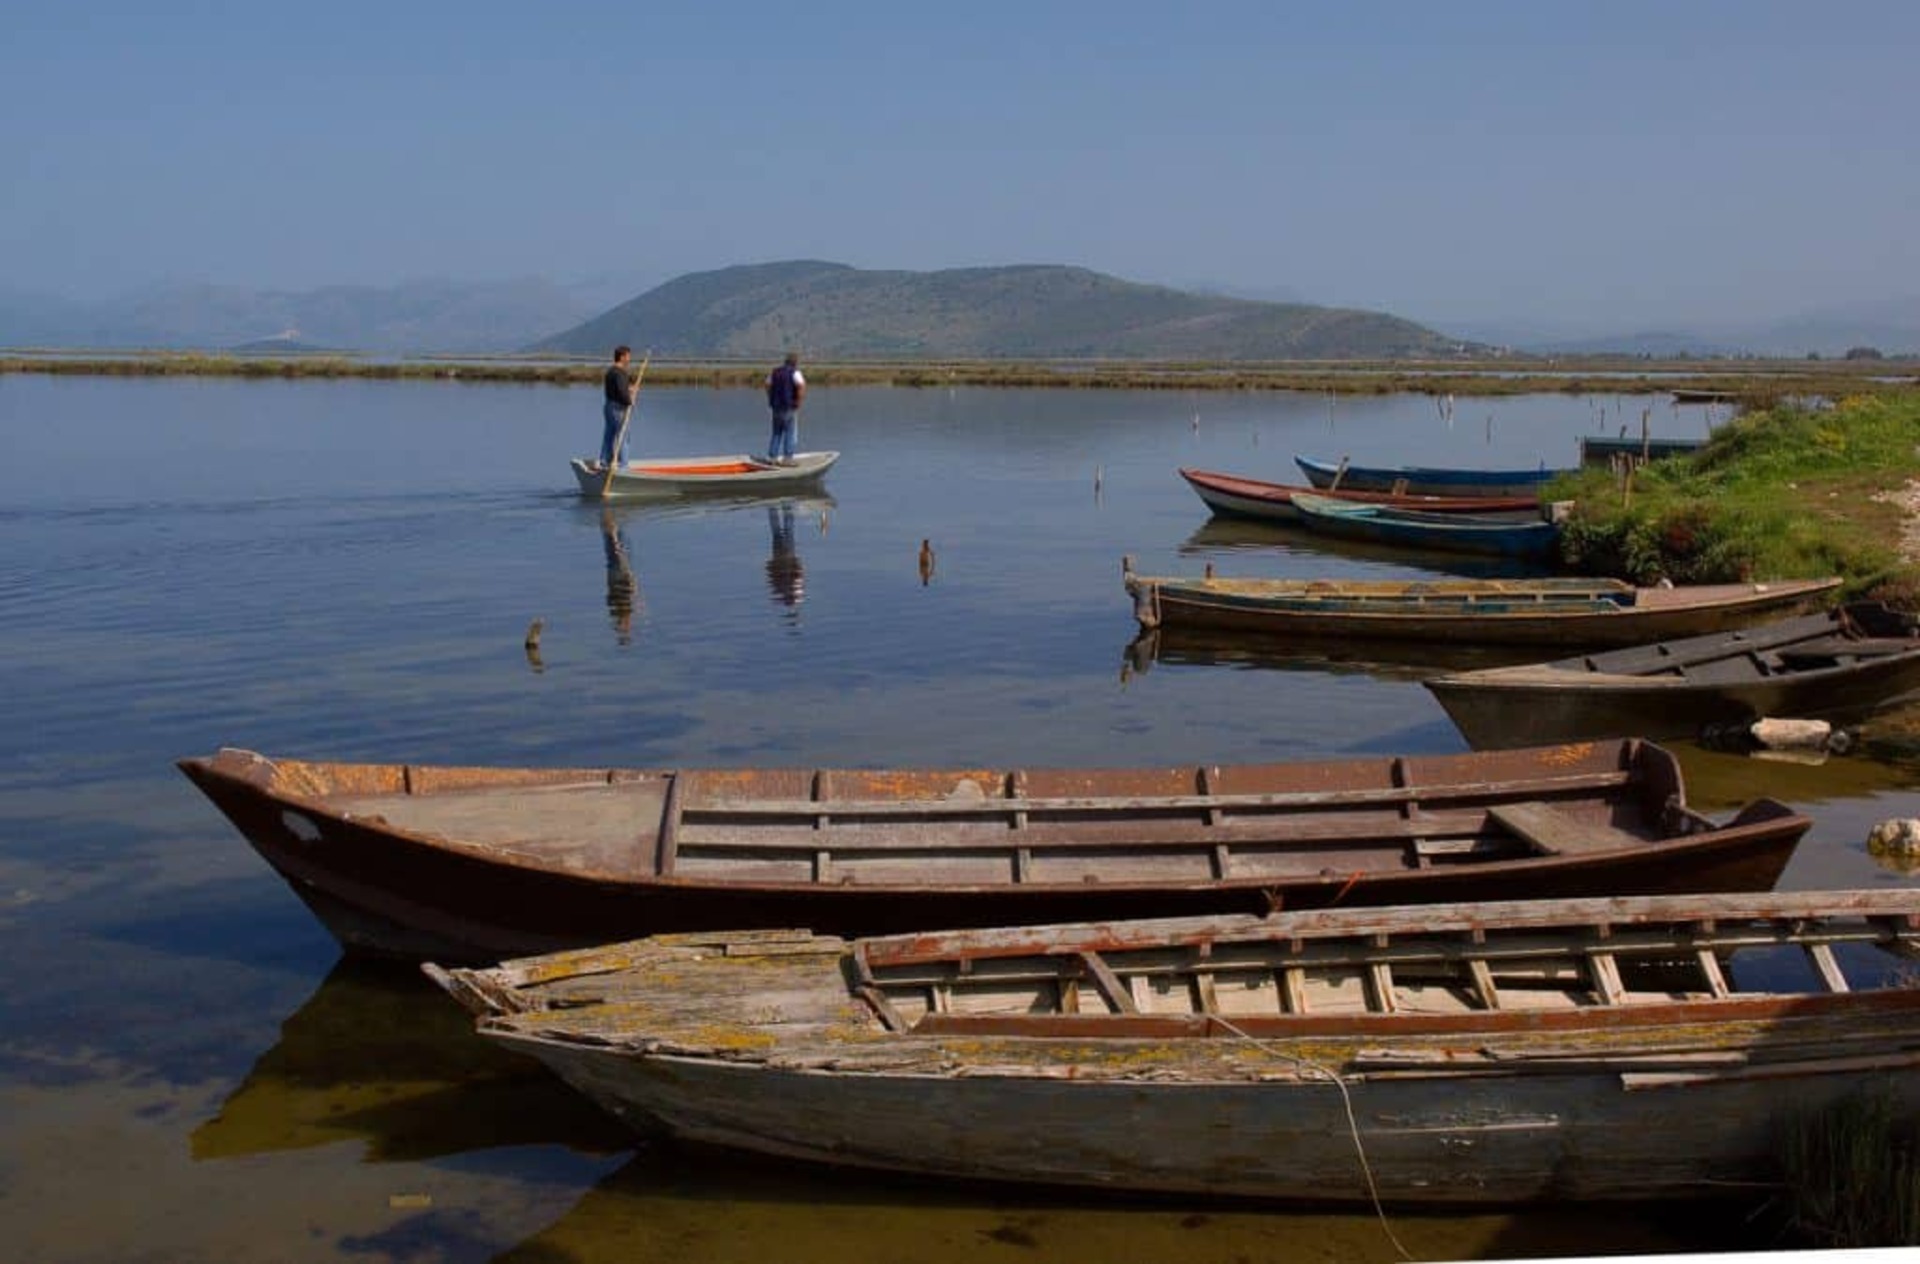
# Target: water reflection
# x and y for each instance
(786, 573)
(1218, 536)
(380, 1056)
(623, 587)
(1410, 661)
(688, 1204)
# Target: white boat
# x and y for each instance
(691, 475)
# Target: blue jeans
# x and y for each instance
(615, 414)
(785, 426)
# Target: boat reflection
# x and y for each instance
(681, 1202)
(380, 1056)
(1411, 661)
(1219, 537)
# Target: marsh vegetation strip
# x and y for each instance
(1721, 380)
(347, 568)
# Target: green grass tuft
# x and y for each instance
(1789, 492)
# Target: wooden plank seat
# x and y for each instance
(1555, 833)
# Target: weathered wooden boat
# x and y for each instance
(1842, 664)
(1526, 534)
(1551, 611)
(1603, 1049)
(681, 476)
(1421, 480)
(1273, 502)
(1601, 450)
(481, 863)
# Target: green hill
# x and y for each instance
(830, 310)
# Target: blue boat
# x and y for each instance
(1421, 480)
(1526, 534)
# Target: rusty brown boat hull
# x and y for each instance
(474, 864)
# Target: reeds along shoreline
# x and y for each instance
(1758, 381)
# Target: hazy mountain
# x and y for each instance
(1662, 344)
(31, 319)
(1031, 311)
(417, 316)
(1891, 325)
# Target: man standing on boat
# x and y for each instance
(786, 390)
(621, 390)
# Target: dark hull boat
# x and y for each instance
(1839, 665)
(1485, 1053)
(1553, 611)
(482, 863)
(1526, 534)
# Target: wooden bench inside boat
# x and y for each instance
(1555, 833)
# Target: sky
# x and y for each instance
(1623, 164)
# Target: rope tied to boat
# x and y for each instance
(1312, 1068)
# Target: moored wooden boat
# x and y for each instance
(1841, 664)
(481, 863)
(1526, 534)
(1425, 480)
(1603, 1049)
(681, 476)
(1600, 449)
(1551, 611)
(1273, 502)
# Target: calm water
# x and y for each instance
(347, 570)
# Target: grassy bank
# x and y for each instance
(1755, 383)
(1782, 492)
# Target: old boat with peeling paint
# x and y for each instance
(1482, 1053)
(1550, 611)
(484, 863)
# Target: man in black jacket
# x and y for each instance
(620, 389)
(786, 390)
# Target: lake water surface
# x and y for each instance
(348, 570)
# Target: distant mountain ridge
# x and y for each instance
(1035, 311)
(412, 316)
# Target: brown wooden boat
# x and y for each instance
(1560, 610)
(1502, 1052)
(481, 863)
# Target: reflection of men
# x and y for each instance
(623, 590)
(786, 576)
(786, 391)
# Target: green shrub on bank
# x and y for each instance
(1791, 492)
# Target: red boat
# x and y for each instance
(1273, 502)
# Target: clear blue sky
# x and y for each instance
(1593, 164)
